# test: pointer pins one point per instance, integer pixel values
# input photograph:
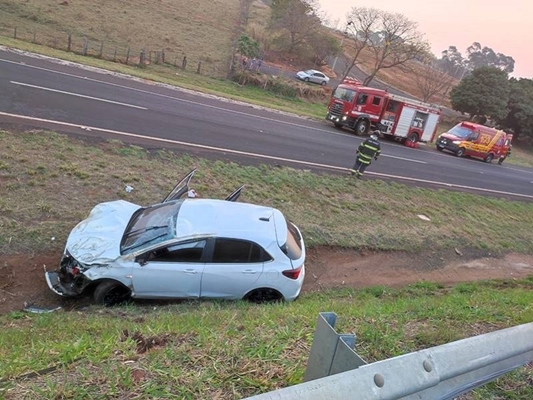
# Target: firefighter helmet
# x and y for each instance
(375, 134)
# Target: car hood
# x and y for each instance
(449, 136)
(96, 239)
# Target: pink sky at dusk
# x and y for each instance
(503, 25)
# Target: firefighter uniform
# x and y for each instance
(367, 150)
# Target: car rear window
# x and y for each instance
(293, 246)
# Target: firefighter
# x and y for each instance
(504, 155)
(367, 150)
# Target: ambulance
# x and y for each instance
(474, 140)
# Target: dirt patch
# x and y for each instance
(22, 280)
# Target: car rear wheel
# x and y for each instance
(489, 158)
(110, 293)
(306, 79)
(264, 295)
(361, 127)
(460, 152)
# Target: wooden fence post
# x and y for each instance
(198, 70)
(34, 36)
(115, 55)
(128, 55)
(101, 49)
(142, 58)
(85, 46)
(184, 62)
(15, 33)
(69, 42)
(163, 56)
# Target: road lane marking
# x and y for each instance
(189, 91)
(77, 95)
(263, 156)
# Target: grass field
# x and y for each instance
(217, 350)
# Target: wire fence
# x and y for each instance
(124, 54)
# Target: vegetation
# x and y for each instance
(36, 164)
(483, 93)
(205, 350)
(216, 350)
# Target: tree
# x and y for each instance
(453, 63)
(391, 38)
(520, 106)
(486, 57)
(431, 80)
(485, 92)
(323, 45)
(297, 18)
(247, 46)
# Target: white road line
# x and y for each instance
(201, 146)
(77, 95)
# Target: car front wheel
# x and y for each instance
(306, 79)
(488, 159)
(460, 152)
(110, 293)
(323, 83)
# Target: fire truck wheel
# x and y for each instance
(413, 137)
(460, 152)
(361, 127)
(337, 125)
(488, 159)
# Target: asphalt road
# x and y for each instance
(40, 92)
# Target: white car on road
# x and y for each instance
(182, 248)
(314, 76)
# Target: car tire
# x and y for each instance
(460, 152)
(361, 128)
(306, 79)
(323, 83)
(263, 295)
(110, 293)
(440, 148)
(413, 137)
(489, 158)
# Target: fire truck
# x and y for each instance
(363, 108)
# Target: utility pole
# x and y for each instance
(345, 33)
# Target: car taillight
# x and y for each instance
(292, 273)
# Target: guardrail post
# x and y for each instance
(331, 353)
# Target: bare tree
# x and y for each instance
(391, 37)
(360, 27)
(298, 18)
(431, 80)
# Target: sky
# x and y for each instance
(503, 25)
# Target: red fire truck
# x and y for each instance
(362, 108)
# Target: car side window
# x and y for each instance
(182, 252)
(376, 101)
(238, 251)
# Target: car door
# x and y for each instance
(233, 268)
(170, 271)
(317, 77)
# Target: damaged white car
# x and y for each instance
(184, 249)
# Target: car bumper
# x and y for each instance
(447, 146)
(56, 286)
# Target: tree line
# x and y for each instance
(393, 41)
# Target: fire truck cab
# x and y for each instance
(470, 139)
(361, 108)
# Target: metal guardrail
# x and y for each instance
(335, 371)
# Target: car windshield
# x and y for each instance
(460, 131)
(150, 225)
(309, 72)
(344, 94)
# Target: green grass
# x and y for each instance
(201, 350)
(51, 182)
